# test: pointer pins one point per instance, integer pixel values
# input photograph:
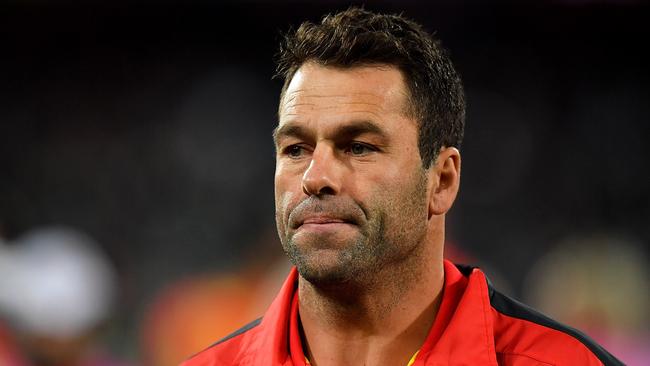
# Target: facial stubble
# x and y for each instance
(391, 233)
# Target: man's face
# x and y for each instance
(350, 190)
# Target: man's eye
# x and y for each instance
(359, 149)
(294, 151)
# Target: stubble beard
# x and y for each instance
(352, 262)
(376, 247)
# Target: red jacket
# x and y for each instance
(475, 325)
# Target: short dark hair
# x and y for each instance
(357, 37)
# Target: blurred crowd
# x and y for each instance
(57, 293)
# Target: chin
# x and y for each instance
(332, 260)
(322, 266)
(325, 277)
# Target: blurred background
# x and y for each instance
(136, 168)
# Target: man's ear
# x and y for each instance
(444, 180)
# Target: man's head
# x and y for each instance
(358, 37)
(358, 187)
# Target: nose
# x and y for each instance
(322, 176)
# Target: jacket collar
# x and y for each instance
(462, 333)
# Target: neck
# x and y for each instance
(379, 322)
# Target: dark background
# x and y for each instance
(147, 125)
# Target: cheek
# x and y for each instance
(380, 182)
(288, 176)
(282, 182)
(285, 195)
(397, 189)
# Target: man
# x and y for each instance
(371, 118)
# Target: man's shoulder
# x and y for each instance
(522, 334)
(228, 350)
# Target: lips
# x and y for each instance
(323, 225)
(316, 212)
(321, 220)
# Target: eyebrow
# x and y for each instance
(351, 129)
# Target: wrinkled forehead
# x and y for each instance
(376, 89)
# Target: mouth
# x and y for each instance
(324, 228)
(322, 220)
(326, 214)
(323, 223)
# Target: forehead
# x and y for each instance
(331, 93)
